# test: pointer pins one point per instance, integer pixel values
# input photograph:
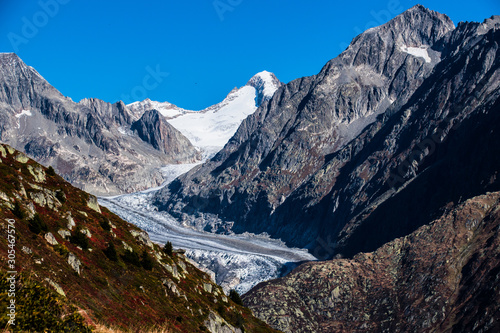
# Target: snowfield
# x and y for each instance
(210, 129)
(419, 52)
(215, 126)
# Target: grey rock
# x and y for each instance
(65, 234)
(26, 250)
(74, 262)
(86, 232)
(154, 129)
(171, 287)
(71, 222)
(217, 324)
(143, 237)
(56, 287)
(93, 204)
(49, 237)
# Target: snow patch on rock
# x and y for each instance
(420, 52)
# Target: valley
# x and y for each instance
(365, 197)
(238, 261)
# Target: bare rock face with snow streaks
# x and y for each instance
(280, 172)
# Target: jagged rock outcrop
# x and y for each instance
(153, 128)
(90, 143)
(393, 121)
(444, 277)
(116, 113)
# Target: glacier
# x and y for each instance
(238, 261)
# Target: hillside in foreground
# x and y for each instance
(79, 266)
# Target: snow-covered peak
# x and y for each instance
(168, 110)
(266, 84)
(210, 129)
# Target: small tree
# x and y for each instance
(36, 225)
(131, 257)
(50, 171)
(105, 224)
(168, 249)
(146, 261)
(235, 297)
(80, 239)
(18, 211)
(110, 252)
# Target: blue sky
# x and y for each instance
(191, 53)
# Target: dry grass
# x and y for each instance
(104, 329)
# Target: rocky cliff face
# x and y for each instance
(80, 266)
(399, 112)
(444, 277)
(153, 128)
(90, 143)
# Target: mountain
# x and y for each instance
(386, 161)
(210, 129)
(89, 143)
(80, 267)
(289, 141)
(443, 277)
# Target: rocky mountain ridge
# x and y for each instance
(90, 143)
(444, 277)
(108, 148)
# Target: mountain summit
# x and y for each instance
(211, 128)
(282, 149)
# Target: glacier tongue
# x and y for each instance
(238, 261)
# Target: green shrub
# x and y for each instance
(168, 249)
(110, 252)
(61, 249)
(37, 225)
(50, 171)
(131, 257)
(80, 239)
(235, 297)
(18, 211)
(38, 309)
(146, 261)
(105, 225)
